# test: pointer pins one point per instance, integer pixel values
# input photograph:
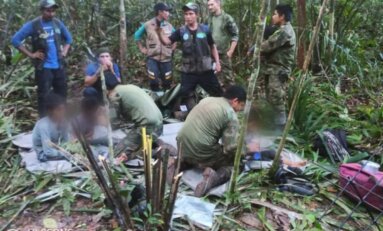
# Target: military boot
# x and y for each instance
(212, 179)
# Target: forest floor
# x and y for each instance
(286, 211)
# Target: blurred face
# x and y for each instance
(48, 13)
(278, 19)
(190, 17)
(58, 114)
(163, 14)
(104, 58)
(213, 6)
(237, 105)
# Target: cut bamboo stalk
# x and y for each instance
(276, 162)
(179, 157)
(165, 159)
(123, 206)
(250, 92)
(124, 221)
(171, 202)
(156, 185)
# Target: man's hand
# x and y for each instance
(64, 53)
(229, 54)
(217, 67)
(38, 55)
(144, 50)
(107, 65)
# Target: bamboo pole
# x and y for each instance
(156, 185)
(123, 40)
(113, 198)
(122, 206)
(106, 101)
(250, 91)
(171, 201)
(165, 160)
(276, 162)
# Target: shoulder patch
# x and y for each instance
(201, 35)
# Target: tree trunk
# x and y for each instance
(301, 5)
(276, 162)
(250, 91)
(123, 41)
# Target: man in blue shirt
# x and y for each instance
(50, 44)
(92, 82)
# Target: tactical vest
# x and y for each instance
(156, 50)
(39, 42)
(196, 55)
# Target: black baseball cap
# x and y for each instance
(191, 6)
(48, 4)
(161, 6)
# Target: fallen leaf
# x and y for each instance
(251, 220)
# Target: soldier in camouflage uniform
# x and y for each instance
(225, 34)
(214, 118)
(278, 53)
(134, 109)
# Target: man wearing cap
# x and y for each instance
(50, 44)
(225, 34)
(159, 56)
(93, 85)
(198, 48)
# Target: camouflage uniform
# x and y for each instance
(279, 56)
(132, 109)
(224, 31)
(210, 120)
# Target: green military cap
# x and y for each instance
(191, 6)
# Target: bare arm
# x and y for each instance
(214, 53)
(65, 50)
(164, 39)
(142, 48)
(231, 50)
(174, 46)
(36, 55)
(91, 79)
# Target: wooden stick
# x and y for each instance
(276, 162)
(155, 185)
(250, 92)
(165, 160)
(171, 202)
(102, 182)
(106, 101)
(123, 40)
(69, 156)
(122, 206)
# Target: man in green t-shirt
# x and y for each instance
(134, 109)
(225, 34)
(213, 119)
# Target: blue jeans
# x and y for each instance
(159, 72)
(91, 92)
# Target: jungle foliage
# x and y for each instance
(344, 90)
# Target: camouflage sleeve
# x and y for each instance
(230, 137)
(275, 41)
(232, 28)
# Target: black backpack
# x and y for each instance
(332, 143)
